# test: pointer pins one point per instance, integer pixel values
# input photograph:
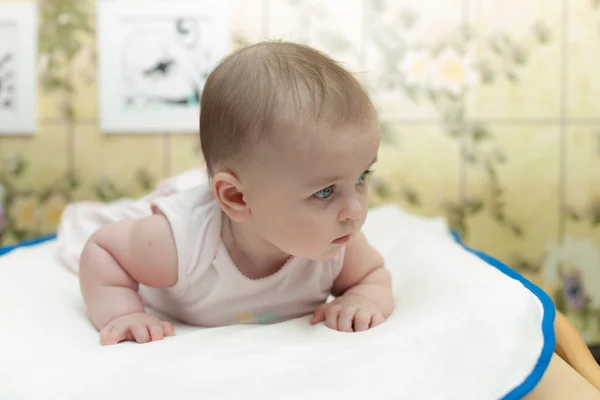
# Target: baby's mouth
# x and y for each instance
(342, 239)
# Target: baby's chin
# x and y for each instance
(322, 255)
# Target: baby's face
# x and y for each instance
(308, 191)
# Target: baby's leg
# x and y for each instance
(562, 382)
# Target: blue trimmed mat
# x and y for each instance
(547, 322)
(32, 242)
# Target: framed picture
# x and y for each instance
(18, 68)
(153, 59)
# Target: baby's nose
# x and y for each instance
(352, 210)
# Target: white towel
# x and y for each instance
(462, 329)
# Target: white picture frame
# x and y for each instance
(153, 59)
(18, 68)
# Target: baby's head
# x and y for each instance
(289, 136)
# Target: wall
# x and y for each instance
(487, 108)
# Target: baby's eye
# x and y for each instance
(324, 193)
(363, 177)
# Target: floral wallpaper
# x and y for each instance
(488, 110)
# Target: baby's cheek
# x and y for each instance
(317, 232)
(300, 230)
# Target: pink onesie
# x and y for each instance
(211, 291)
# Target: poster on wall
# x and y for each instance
(18, 55)
(153, 59)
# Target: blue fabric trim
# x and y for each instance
(33, 242)
(547, 323)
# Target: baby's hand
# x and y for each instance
(139, 327)
(349, 313)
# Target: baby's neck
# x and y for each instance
(254, 257)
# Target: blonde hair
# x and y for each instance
(271, 87)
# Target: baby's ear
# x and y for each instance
(229, 192)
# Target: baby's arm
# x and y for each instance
(116, 259)
(364, 290)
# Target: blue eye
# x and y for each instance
(363, 177)
(324, 193)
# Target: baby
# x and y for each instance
(289, 137)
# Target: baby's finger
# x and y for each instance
(377, 319)
(105, 338)
(362, 320)
(140, 333)
(113, 335)
(168, 329)
(156, 332)
(345, 319)
(331, 317)
(319, 315)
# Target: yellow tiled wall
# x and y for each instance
(489, 109)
